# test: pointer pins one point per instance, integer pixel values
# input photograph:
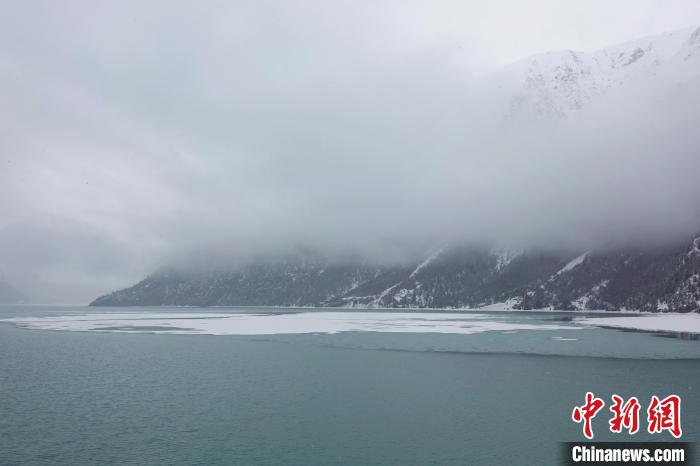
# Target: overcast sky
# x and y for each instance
(134, 134)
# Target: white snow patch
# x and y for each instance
(574, 263)
(505, 256)
(600, 285)
(696, 247)
(503, 305)
(581, 303)
(401, 294)
(378, 299)
(667, 322)
(559, 84)
(269, 324)
(423, 264)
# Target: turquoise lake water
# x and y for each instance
(73, 398)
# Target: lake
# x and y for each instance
(83, 385)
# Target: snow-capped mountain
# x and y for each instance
(558, 84)
(653, 279)
(293, 280)
(448, 276)
(549, 87)
(659, 279)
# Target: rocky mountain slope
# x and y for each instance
(548, 86)
(652, 279)
(665, 279)
(292, 281)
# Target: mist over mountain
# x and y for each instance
(9, 294)
(624, 252)
(659, 279)
(205, 138)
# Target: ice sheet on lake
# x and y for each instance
(268, 324)
(664, 322)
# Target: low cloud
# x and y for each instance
(135, 137)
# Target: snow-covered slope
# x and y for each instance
(553, 87)
(661, 279)
(557, 84)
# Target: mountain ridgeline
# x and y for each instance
(546, 87)
(658, 279)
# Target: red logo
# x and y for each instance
(665, 415)
(587, 412)
(662, 415)
(625, 415)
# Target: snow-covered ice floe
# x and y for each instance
(666, 322)
(268, 324)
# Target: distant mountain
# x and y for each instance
(291, 281)
(9, 294)
(549, 86)
(557, 84)
(466, 276)
(653, 279)
(662, 279)
(665, 279)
